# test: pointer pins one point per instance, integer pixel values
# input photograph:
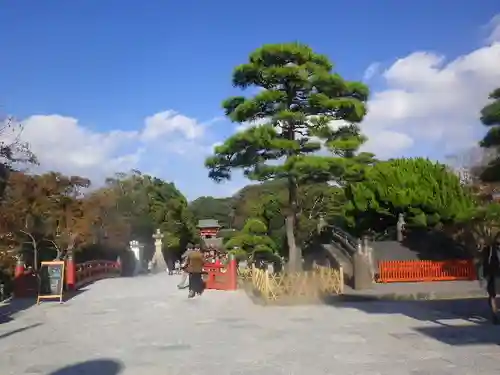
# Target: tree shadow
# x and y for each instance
(69, 295)
(434, 245)
(14, 306)
(474, 310)
(94, 367)
(455, 322)
(462, 335)
(13, 332)
(418, 244)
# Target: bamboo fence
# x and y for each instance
(320, 281)
(245, 274)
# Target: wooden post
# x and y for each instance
(266, 285)
(70, 271)
(232, 271)
(253, 276)
(341, 280)
(19, 280)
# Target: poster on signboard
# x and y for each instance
(51, 281)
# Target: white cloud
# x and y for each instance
(246, 125)
(63, 144)
(433, 101)
(385, 149)
(372, 69)
(493, 29)
(171, 123)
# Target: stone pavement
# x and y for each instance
(145, 326)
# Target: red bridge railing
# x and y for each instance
(425, 270)
(76, 276)
(88, 272)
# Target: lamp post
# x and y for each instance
(322, 224)
(158, 259)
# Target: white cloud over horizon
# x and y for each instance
(429, 99)
(426, 99)
(62, 143)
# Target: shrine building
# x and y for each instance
(208, 228)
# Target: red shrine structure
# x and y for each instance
(218, 276)
(208, 228)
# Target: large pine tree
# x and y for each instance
(299, 99)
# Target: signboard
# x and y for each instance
(51, 281)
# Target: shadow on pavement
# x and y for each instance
(462, 335)
(471, 309)
(94, 367)
(14, 306)
(13, 332)
(456, 322)
(68, 296)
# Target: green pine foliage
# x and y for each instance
(427, 193)
(252, 239)
(300, 96)
(490, 117)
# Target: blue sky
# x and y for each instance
(109, 65)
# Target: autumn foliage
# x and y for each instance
(42, 216)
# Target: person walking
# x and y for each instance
(194, 268)
(184, 277)
(491, 274)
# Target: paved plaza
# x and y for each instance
(145, 326)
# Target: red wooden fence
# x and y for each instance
(392, 271)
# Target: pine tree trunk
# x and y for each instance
(294, 251)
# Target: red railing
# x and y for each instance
(221, 277)
(77, 275)
(392, 271)
(88, 272)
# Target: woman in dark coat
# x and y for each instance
(491, 274)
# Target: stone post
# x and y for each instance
(159, 263)
(362, 274)
(360, 247)
(368, 251)
(400, 226)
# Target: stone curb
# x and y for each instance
(417, 296)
